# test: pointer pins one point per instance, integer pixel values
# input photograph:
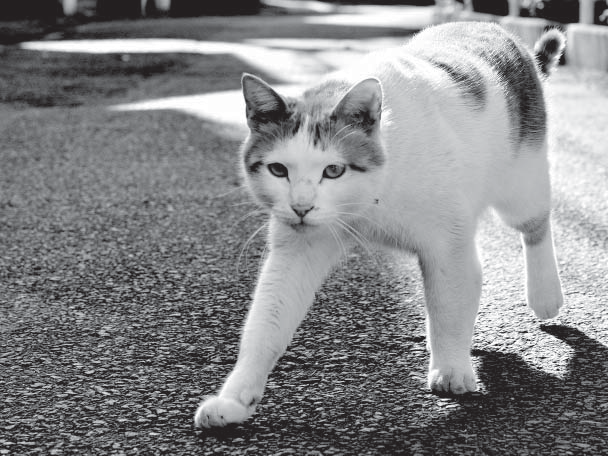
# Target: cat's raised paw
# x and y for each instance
(452, 380)
(218, 412)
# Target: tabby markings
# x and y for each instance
(467, 78)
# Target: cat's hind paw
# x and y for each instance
(452, 380)
(546, 303)
(218, 412)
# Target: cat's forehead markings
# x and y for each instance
(310, 121)
(303, 143)
(295, 146)
(316, 106)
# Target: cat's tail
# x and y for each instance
(548, 50)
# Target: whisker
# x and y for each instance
(338, 240)
(370, 220)
(230, 192)
(243, 203)
(347, 135)
(356, 235)
(360, 237)
(264, 251)
(340, 131)
(363, 216)
(245, 217)
(245, 248)
(360, 203)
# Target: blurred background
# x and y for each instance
(566, 11)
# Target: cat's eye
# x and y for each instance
(278, 169)
(333, 171)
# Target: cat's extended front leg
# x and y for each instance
(297, 265)
(452, 280)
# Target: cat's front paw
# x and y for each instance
(217, 411)
(451, 379)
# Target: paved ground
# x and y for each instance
(124, 277)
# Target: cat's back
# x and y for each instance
(486, 40)
(470, 72)
(464, 50)
(479, 59)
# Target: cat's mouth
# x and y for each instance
(301, 225)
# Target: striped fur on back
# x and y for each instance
(464, 52)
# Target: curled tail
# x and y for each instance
(548, 50)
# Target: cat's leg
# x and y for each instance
(543, 286)
(452, 283)
(527, 208)
(294, 269)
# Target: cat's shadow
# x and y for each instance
(516, 393)
(507, 372)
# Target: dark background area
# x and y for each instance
(33, 19)
(564, 11)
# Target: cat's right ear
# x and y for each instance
(362, 105)
(263, 104)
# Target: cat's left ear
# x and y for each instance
(362, 105)
(263, 103)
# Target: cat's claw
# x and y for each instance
(452, 380)
(218, 412)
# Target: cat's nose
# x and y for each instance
(301, 211)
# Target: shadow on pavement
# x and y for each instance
(526, 407)
(520, 407)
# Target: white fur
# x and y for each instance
(445, 164)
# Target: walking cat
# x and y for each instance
(406, 150)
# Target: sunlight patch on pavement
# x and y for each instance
(225, 107)
(322, 44)
(294, 62)
(412, 18)
(282, 64)
(133, 46)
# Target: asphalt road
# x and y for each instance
(124, 280)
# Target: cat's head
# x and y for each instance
(316, 159)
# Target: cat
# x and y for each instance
(405, 149)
